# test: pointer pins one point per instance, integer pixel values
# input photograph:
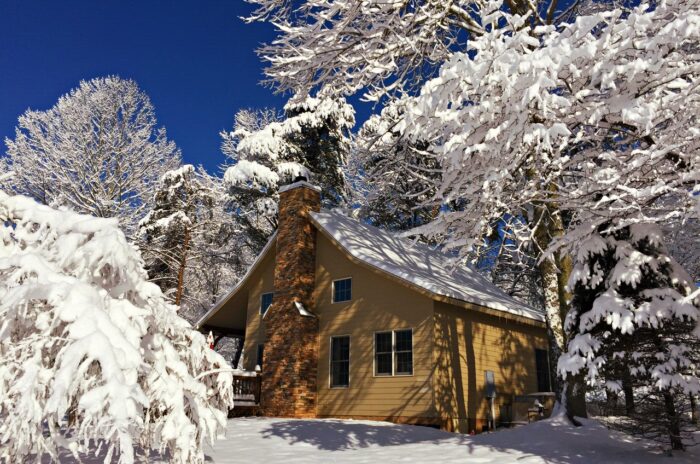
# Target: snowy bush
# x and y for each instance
(90, 352)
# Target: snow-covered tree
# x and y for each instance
(682, 244)
(376, 46)
(98, 151)
(191, 241)
(389, 195)
(508, 263)
(555, 121)
(311, 140)
(182, 207)
(92, 356)
(632, 321)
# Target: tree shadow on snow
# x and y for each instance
(337, 435)
(552, 442)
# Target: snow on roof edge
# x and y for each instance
(301, 183)
(520, 309)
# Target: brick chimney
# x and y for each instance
(291, 346)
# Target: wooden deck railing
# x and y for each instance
(246, 390)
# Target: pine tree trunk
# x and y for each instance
(674, 423)
(181, 269)
(693, 410)
(629, 393)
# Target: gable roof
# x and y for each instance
(417, 264)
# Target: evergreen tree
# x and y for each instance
(268, 151)
(394, 179)
(632, 326)
(182, 208)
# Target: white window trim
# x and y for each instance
(333, 290)
(393, 354)
(260, 310)
(330, 362)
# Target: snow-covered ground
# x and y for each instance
(353, 442)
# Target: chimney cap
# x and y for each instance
(299, 181)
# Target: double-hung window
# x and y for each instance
(265, 302)
(383, 353)
(393, 353)
(340, 361)
(342, 290)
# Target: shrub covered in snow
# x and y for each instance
(89, 350)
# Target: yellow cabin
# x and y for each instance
(346, 320)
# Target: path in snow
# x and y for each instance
(353, 442)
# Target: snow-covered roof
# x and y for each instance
(417, 264)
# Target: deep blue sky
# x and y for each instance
(195, 59)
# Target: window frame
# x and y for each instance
(330, 362)
(260, 308)
(396, 352)
(374, 353)
(393, 353)
(333, 301)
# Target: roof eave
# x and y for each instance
(241, 283)
(426, 291)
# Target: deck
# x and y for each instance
(246, 389)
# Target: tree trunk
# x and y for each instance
(611, 398)
(181, 270)
(555, 327)
(693, 410)
(674, 423)
(555, 273)
(576, 399)
(629, 393)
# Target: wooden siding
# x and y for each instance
(468, 343)
(452, 346)
(260, 282)
(378, 304)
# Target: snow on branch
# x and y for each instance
(89, 350)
